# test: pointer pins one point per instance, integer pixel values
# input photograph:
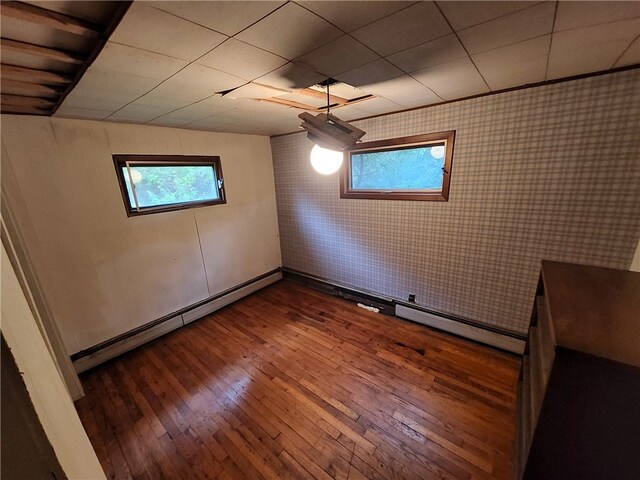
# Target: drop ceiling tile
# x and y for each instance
(453, 80)
(590, 49)
(442, 50)
(516, 27)
(137, 113)
(372, 73)
(338, 56)
(84, 113)
(351, 15)
(583, 14)
(96, 78)
(242, 60)
(405, 91)
(290, 32)
(404, 29)
(197, 82)
(82, 97)
(170, 103)
(291, 77)
(516, 64)
(169, 121)
(203, 109)
(213, 123)
(466, 14)
(130, 60)
(251, 90)
(186, 40)
(225, 17)
(375, 106)
(631, 56)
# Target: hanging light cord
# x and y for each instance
(328, 100)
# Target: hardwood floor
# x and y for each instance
(291, 383)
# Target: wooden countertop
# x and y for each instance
(594, 310)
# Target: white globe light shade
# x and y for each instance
(325, 161)
(437, 151)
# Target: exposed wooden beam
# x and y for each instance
(288, 103)
(49, 18)
(14, 87)
(8, 109)
(18, 100)
(31, 75)
(31, 49)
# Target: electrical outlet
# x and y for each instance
(412, 298)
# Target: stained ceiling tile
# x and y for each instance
(197, 82)
(442, 50)
(338, 56)
(453, 80)
(351, 15)
(225, 17)
(242, 60)
(404, 29)
(125, 59)
(583, 14)
(604, 44)
(290, 32)
(516, 64)
(372, 73)
(516, 27)
(466, 14)
(291, 77)
(186, 40)
(405, 91)
(631, 56)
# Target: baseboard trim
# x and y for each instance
(485, 334)
(100, 353)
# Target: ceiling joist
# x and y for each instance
(31, 49)
(25, 110)
(14, 87)
(30, 75)
(49, 18)
(20, 101)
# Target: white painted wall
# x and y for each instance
(104, 273)
(48, 393)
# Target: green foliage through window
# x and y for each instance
(415, 168)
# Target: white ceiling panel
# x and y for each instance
(404, 29)
(197, 82)
(225, 17)
(430, 54)
(583, 14)
(467, 14)
(405, 91)
(453, 80)
(137, 113)
(251, 90)
(374, 106)
(290, 32)
(129, 60)
(202, 109)
(631, 56)
(170, 103)
(338, 56)
(515, 27)
(169, 121)
(90, 98)
(349, 16)
(242, 60)
(124, 82)
(604, 44)
(187, 41)
(516, 64)
(291, 76)
(84, 113)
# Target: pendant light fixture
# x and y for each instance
(330, 135)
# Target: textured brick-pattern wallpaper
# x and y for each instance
(551, 172)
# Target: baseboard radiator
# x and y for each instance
(458, 326)
(91, 357)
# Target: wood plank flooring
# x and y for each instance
(291, 383)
